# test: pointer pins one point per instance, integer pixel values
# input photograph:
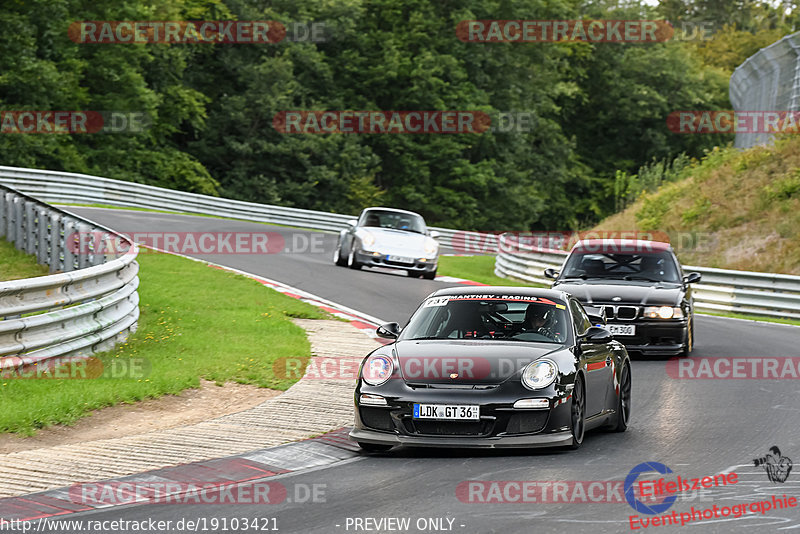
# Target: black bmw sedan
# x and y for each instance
(640, 286)
(492, 367)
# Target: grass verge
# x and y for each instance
(478, 269)
(15, 264)
(196, 322)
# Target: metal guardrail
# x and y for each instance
(71, 188)
(720, 290)
(764, 294)
(87, 306)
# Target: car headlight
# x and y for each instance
(539, 374)
(431, 246)
(663, 312)
(377, 369)
(367, 239)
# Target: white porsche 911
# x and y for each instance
(388, 237)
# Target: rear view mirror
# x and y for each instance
(388, 331)
(434, 234)
(691, 278)
(597, 334)
(551, 273)
(352, 222)
(498, 307)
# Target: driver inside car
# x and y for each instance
(539, 318)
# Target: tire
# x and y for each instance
(352, 262)
(429, 275)
(337, 255)
(374, 447)
(689, 338)
(578, 413)
(624, 400)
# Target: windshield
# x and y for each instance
(409, 222)
(651, 266)
(506, 317)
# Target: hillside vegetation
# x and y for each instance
(732, 209)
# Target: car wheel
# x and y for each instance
(624, 400)
(429, 275)
(374, 447)
(337, 255)
(578, 414)
(689, 338)
(352, 262)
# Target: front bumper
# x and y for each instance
(560, 439)
(656, 338)
(500, 424)
(370, 259)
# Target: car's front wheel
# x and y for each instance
(624, 400)
(429, 275)
(352, 262)
(578, 413)
(374, 447)
(689, 338)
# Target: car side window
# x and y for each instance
(582, 322)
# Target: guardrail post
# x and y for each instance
(31, 242)
(53, 250)
(68, 244)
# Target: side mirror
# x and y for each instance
(691, 278)
(434, 234)
(551, 273)
(388, 331)
(352, 223)
(596, 315)
(596, 334)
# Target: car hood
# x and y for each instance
(474, 361)
(392, 241)
(630, 292)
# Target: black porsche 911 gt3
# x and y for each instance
(493, 367)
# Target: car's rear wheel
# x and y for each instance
(374, 447)
(352, 262)
(429, 275)
(578, 412)
(624, 400)
(337, 255)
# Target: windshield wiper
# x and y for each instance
(629, 277)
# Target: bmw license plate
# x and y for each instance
(400, 259)
(622, 329)
(447, 411)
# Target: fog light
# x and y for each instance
(537, 404)
(372, 400)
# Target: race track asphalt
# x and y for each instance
(696, 427)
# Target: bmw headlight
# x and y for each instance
(367, 239)
(431, 246)
(377, 369)
(663, 312)
(539, 374)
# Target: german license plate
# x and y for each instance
(447, 411)
(400, 259)
(622, 329)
